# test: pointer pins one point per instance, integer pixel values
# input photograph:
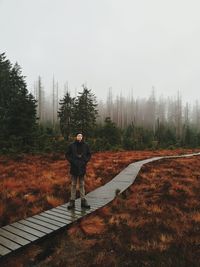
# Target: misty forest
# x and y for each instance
(45, 122)
(154, 222)
(99, 133)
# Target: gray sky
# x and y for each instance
(123, 44)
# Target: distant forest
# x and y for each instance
(37, 123)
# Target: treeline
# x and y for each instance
(29, 125)
(18, 126)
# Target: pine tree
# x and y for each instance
(17, 108)
(111, 132)
(128, 137)
(65, 114)
(85, 112)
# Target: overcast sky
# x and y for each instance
(123, 44)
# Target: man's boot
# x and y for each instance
(84, 204)
(71, 204)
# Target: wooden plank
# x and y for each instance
(71, 213)
(103, 194)
(59, 208)
(122, 184)
(14, 237)
(118, 187)
(8, 243)
(52, 221)
(4, 251)
(59, 215)
(64, 207)
(97, 205)
(126, 178)
(28, 229)
(118, 182)
(103, 197)
(64, 212)
(36, 226)
(96, 202)
(99, 201)
(94, 206)
(42, 223)
(81, 211)
(53, 217)
(84, 211)
(20, 233)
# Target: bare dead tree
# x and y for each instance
(40, 97)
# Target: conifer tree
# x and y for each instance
(85, 112)
(65, 114)
(111, 132)
(17, 108)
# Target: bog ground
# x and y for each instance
(155, 222)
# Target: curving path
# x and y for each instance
(31, 229)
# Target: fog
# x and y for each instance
(128, 45)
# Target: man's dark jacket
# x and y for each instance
(78, 154)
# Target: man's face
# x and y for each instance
(79, 137)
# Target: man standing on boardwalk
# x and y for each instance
(78, 154)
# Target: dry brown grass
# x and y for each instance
(95, 225)
(196, 217)
(155, 222)
(25, 183)
(53, 201)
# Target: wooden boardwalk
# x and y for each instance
(27, 231)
